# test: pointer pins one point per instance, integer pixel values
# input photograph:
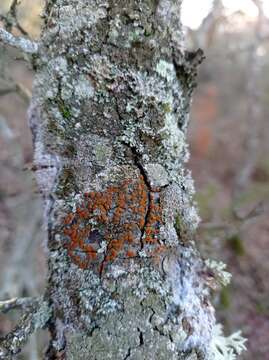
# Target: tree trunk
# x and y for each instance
(109, 116)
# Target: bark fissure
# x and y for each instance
(128, 354)
(145, 179)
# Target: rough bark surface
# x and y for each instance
(109, 117)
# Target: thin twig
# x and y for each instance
(18, 88)
(13, 14)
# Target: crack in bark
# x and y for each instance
(141, 343)
(147, 183)
(104, 260)
(144, 175)
(128, 354)
(141, 338)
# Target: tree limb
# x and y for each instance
(14, 303)
(35, 317)
(25, 45)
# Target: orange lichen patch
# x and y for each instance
(83, 213)
(124, 218)
(68, 219)
(130, 253)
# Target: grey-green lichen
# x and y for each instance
(145, 321)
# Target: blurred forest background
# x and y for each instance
(229, 143)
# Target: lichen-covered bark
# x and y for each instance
(109, 117)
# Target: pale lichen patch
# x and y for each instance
(166, 70)
(83, 88)
(157, 175)
(74, 18)
(190, 294)
(173, 137)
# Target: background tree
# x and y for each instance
(229, 130)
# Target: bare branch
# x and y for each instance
(10, 19)
(23, 92)
(18, 88)
(25, 45)
(7, 90)
(13, 7)
(238, 222)
(37, 315)
(13, 14)
(14, 303)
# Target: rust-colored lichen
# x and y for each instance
(117, 222)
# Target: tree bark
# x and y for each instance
(109, 116)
